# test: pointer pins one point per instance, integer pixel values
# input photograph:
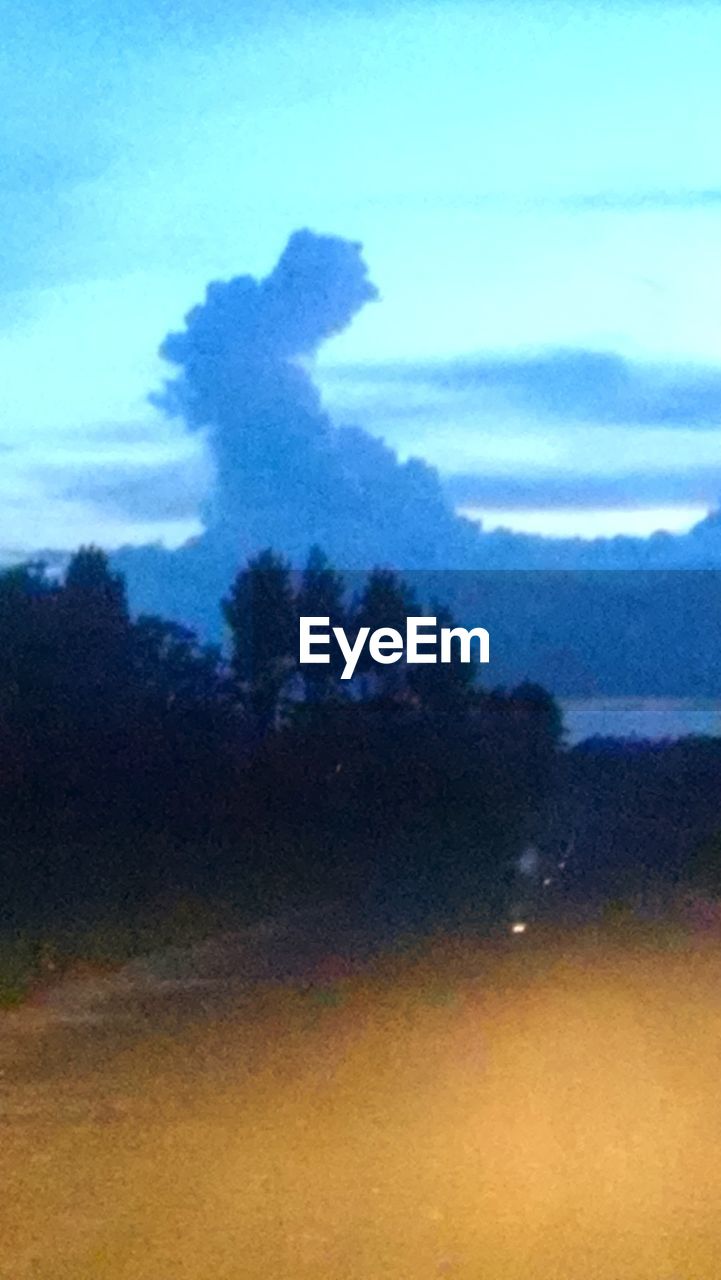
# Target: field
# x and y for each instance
(544, 1107)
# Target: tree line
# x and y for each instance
(136, 759)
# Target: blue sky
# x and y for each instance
(533, 184)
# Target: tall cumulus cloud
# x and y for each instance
(285, 474)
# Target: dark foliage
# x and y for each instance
(137, 761)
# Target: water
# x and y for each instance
(654, 718)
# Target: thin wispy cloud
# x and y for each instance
(576, 386)
(549, 491)
(621, 200)
(170, 490)
(628, 201)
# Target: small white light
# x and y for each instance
(547, 881)
(518, 927)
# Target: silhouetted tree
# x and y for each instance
(444, 689)
(321, 595)
(92, 674)
(135, 758)
(538, 716)
(27, 604)
(188, 728)
(385, 603)
(88, 577)
(261, 614)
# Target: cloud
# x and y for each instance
(553, 491)
(165, 491)
(237, 356)
(284, 473)
(287, 476)
(571, 385)
(643, 201)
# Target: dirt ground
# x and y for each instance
(546, 1107)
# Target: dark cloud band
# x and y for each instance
(548, 491)
(576, 386)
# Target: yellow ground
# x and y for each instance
(542, 1108)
